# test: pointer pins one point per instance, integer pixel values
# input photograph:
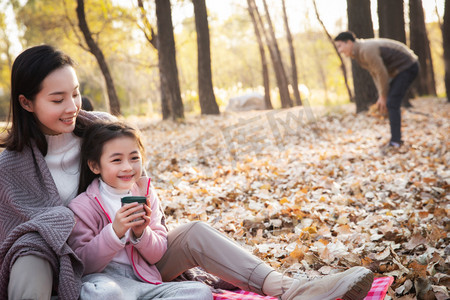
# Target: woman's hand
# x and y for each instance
(125, 218)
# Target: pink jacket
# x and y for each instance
(96, 248)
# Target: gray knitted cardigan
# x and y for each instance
(33, 220)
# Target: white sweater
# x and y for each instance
(111, 199)
(63, 160)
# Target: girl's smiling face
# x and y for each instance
(120, 163)
(58, 103)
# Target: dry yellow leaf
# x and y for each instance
(284, 200)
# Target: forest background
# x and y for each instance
(121, 31)
(306, 188)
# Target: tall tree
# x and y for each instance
(294, 77)
(208, 104)
(152, 38)
(265, 71)
(164, 43)
(420, 44)
(114, 103)
(446, 44)
(279, 74)
(360, 22)
(391, 20)
(277, 61)
(330, 39)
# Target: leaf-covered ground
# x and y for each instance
(310, 190)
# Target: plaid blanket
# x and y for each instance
(379, 288)
(377, 292)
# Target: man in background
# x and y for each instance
(393, 67)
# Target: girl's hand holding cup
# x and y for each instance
(130, 215)
(138, 228)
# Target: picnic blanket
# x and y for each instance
(377, 292)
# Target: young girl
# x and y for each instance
(39, 177)
(120, 245)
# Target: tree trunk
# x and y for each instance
(298, 99)
(446, 44)
(114, 104)
(152, 38)
(282, 92)
(208, 104)
(285, 98)
(360, 22)
(265, 72)
(330, 38)
(391, 19)
(421, 46)
(171, 103)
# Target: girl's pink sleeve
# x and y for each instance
(92, 242)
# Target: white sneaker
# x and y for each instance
(352, 284)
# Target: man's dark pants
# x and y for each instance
(398, 87)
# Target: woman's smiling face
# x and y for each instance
(58, 103)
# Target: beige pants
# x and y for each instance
(31, 277)
(198, 244)
(190, 245)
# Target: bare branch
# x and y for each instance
(330, 38)
(151, 37)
